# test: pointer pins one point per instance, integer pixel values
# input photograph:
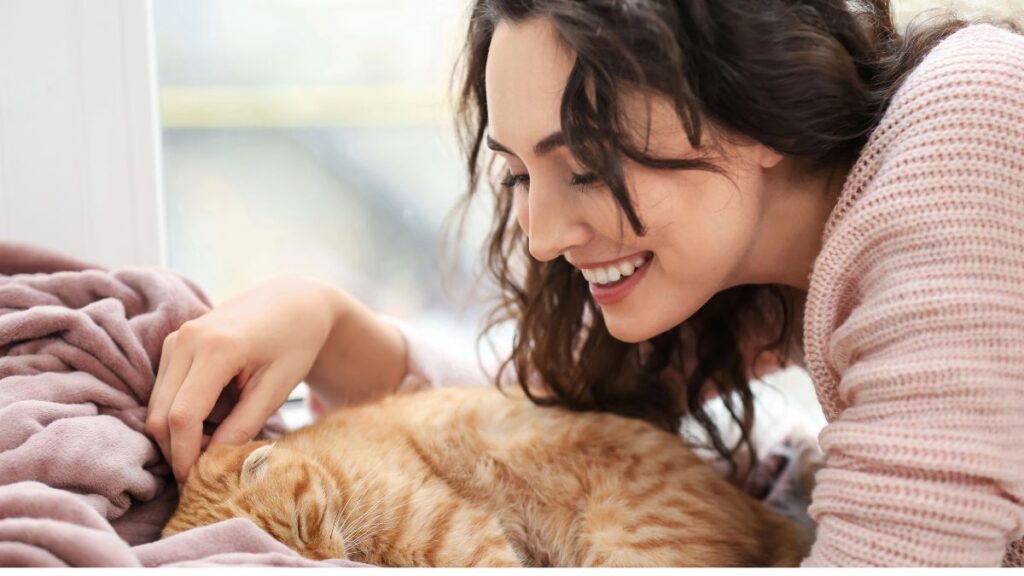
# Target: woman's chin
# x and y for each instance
(630, 330)
(641, 322)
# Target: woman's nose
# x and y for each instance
(555, 223)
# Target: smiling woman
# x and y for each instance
(720, 146)
(591, 142)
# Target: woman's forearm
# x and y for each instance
(363, 359)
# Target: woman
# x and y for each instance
(682, 183)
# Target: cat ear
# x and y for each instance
(255, 463)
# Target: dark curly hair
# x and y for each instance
(807, 78)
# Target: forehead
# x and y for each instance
(527, 67)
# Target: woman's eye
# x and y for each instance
(584, 180)
(513, 181)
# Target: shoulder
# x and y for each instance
(972, 82)
(981, 37)
(951, 144)
(928, 227)
(959, 113)
(974, 54)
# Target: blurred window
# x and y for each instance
(316, 137)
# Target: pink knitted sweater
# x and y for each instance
(914, 324)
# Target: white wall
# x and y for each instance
(79, 129)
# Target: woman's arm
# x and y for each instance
(363, 358)
(431, 364)
(369, 355)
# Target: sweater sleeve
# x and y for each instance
(925, 455)
(432, 365)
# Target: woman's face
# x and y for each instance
(700, 225)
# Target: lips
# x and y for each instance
(610, 293)
(607, 273)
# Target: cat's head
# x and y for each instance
(283, 492)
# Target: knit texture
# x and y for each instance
(914, 322)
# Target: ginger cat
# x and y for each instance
(474, 477)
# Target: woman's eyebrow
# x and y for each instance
(547, 144)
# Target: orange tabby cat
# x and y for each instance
(472, 477)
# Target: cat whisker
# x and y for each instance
(339, 520)
(353, 493)
(355, 528)
(366, 524)
(361, 483)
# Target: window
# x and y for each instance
(316, 137)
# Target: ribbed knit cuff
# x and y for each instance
(429, 365)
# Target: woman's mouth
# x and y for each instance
(613, 282)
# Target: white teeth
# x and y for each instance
(613, 273)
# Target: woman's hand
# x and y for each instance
(268, 339)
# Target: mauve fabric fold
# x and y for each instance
(80, 482)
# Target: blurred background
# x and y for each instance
(316, 137)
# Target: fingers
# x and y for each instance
(174, 365)
(167, 350)
(209, 374)
(261, 398)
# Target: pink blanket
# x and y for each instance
(80, 483)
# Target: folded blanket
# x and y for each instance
(80, 483)
(44, 526)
